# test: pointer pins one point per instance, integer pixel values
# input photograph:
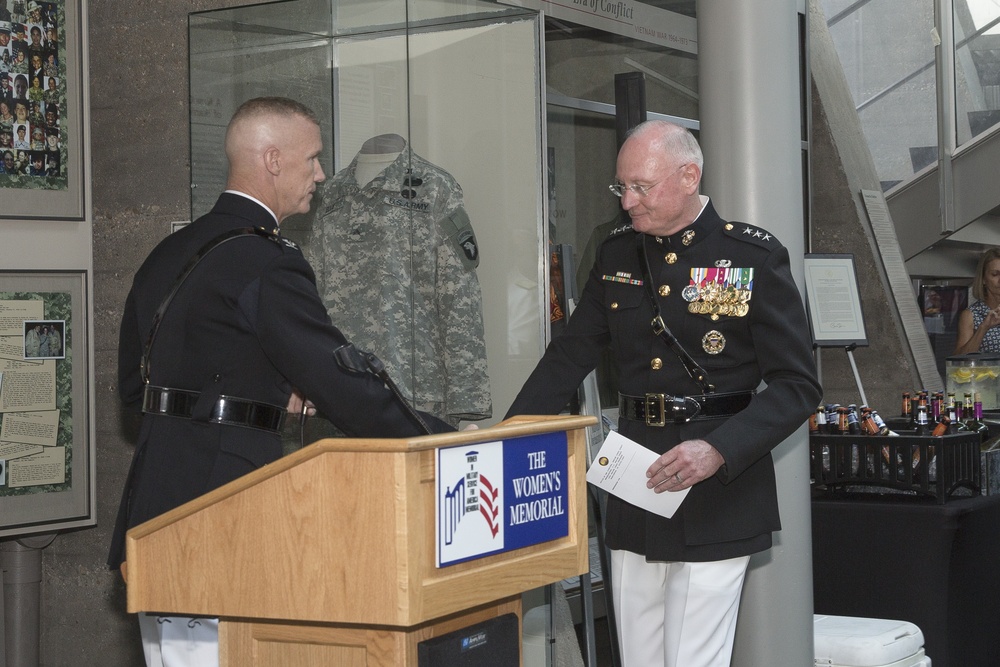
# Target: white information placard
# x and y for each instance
(833, 301)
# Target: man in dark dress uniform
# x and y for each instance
(243, 336)
(726, 292)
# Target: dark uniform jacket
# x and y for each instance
(247, 323)
(734, 512)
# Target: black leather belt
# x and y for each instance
(227, 410)
(659, 409)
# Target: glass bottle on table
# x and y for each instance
(923, 398)
(976, 424)
(883, 428)
(817, 421)
(818, 426)
(843, 423)
(951, 407)
(922, 426)
(868, 425)
(853, 425)
(937, 407)
(954, 414)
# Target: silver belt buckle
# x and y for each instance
(657, 401)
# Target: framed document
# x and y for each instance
(46, 456)
(833, 301)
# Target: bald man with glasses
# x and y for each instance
(710, 337)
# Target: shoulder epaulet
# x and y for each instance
(619, 230)
(751, 234)
(275, 235)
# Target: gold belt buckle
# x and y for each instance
(655, 400)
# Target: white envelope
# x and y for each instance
(620, 469)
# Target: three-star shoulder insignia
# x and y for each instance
(751, 234)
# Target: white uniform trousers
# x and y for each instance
(179, 641)
(676, 614)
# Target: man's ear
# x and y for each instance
(272, 160)
(691, 177)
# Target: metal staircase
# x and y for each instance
(915, 208)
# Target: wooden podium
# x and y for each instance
(327, 556)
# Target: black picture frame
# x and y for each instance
(833, 300)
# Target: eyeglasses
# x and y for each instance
(636, 189)
(640, 190)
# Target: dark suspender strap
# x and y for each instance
(185, 272)
(696, 372)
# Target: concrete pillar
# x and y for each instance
(750, 112)
(21, 570)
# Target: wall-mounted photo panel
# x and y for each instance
(46, 457)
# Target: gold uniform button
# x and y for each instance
(614, 305)
(664, 290)
(729, 226)
(656, 364)
(671, 257)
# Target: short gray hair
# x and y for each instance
(672, 140)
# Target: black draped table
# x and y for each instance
(904, 558)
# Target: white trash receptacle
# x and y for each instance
(846, 641)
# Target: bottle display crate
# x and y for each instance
(940, 467)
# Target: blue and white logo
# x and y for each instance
(499, 496)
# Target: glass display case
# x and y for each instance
(442, 118)
(426, 236)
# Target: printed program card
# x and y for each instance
(620, 469)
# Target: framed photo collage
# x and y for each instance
(32, 94)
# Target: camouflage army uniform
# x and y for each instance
(395, 263)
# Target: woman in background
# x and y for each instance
(979, 325)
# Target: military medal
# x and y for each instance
(722, 291)
(713, 342)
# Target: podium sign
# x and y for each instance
(494, 497)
